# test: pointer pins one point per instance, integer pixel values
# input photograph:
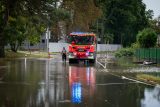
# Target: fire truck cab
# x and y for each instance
(82, 46)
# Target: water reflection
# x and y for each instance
(81, 82)
(20, 82)
(151, 97)
(76, 92)
(52, 87)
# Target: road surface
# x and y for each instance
(52, 83)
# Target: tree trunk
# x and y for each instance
(14, 47)
(2, 51)
(2, 44)
(4, 23)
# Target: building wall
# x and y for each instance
(57, 47)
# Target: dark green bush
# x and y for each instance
(124, 52)
(147, 38)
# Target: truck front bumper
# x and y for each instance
(76, 56)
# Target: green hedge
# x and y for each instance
(124, 52)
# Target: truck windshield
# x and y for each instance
(82, 40)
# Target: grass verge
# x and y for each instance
(148, 78)
(35, 54)
(105, 52)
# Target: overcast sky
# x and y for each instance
(153, 5)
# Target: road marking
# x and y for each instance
(130, 79)
(47, 83)
(123, 77)
(117, 83)
(65, 101)
(101, 64)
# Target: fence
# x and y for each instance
(57, 47)
(151, 54)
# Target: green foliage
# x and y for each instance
(155, 24)
(149, 14)
(147, 38)
(123, 19)
(83, 14)
(34, 29)
(108, 38)
(21, 28)
(14, 32)
(135, 46)
(27, 19)
(59, 15)
(124, 52)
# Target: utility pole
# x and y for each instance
(47, 39)
(48, 35)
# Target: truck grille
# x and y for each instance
(81, 50)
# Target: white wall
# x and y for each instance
(108, 47)
(57, 47)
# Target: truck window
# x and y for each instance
(82, 40)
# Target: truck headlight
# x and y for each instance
(91, 54)
(74, 53)
(87, 53)
(71, 54)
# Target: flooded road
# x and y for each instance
(52, 83)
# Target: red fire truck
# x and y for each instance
(82, 46)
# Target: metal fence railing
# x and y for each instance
(151, 54)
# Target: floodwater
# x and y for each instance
(52, 83)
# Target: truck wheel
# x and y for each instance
(92, 61)
(72, 61)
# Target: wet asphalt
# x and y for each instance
(40, 82)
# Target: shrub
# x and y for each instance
(147, 38)
(135, 46)
(124, 52)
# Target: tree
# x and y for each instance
(83, 14)
(108, 38)
(26, 8)
(14, 32)
(149, 14)
(123, 19)
(58, 16)
(155, 24)
(147, 38)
